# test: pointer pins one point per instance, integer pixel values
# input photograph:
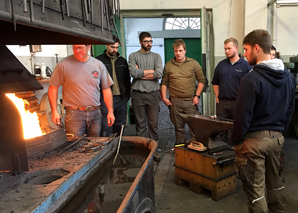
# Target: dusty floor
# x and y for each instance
(174, 198)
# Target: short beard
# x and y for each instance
(146, 48)
(111, 53)
(232, 56)
(253, 59)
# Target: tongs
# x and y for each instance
(95, 146)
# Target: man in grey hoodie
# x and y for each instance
(264, 107)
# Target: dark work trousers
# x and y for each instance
(145, 105)
(120, 112)
(224, 109)
(182, 106)
(259, 165)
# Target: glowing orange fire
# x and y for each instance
(30, 120)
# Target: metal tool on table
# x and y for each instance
(95, 146)
(72, 144)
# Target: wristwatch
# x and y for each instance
(198, 96)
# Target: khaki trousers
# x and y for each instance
(179, 107)
(258, 163)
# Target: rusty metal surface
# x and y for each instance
(144, 181)
(49, 22)
(45, 143)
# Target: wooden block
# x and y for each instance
(200, 171)
(201, 163)
(219, 189)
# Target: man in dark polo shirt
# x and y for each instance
(227, 75)
(180, 75)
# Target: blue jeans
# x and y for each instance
(79, 122)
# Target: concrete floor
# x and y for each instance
(174, 198)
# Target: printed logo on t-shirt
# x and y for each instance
(95, 74)
(238, 70)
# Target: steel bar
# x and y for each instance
(31, 10)
(43, 2)
(13, 15)
(91, 11)
(61, 8)
(72, 144)
(102, 14)
(86, 10)
(107, 15)
(67, 8)
(25, 9)
(119, 143)
(83, 13)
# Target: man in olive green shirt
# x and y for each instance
(180, 75)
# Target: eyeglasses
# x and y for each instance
(150, 41)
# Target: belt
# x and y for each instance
(86, 109)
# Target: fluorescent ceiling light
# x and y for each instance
(286, 1)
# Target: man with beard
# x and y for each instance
(227, 75)
(263, 110)
(146, 69)
(118, 69)
(180, 75)
(83, 78)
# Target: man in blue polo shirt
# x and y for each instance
(227, 75)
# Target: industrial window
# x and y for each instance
(183, 23)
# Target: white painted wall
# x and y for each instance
(287, 31)
(46, 56)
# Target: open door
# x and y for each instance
(208, 107)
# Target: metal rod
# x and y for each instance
(25, 9)
(122, 126)
(107, 15)
(101, 8)
(43, 6)
(118, 7)
(91, 11)
(13, 15)
(83, 13)
(67, 8)
(70, 145)
(31, 10)
(86, 10)
(61, 8)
